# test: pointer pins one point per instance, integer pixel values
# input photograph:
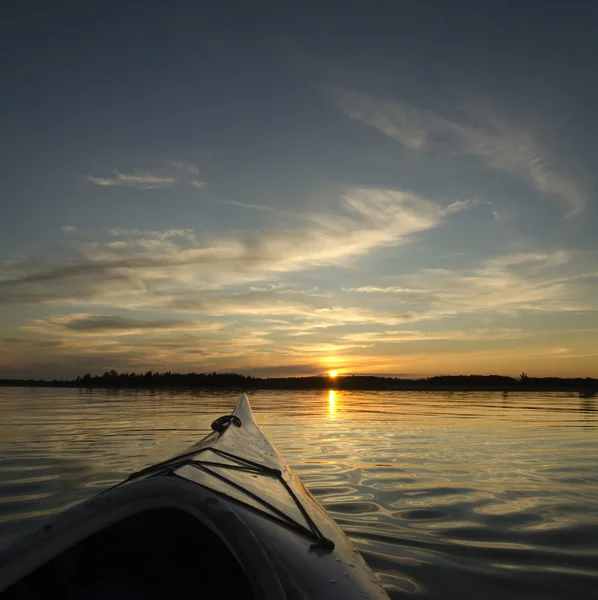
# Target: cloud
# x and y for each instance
(394, 336)
(393, 289)
(504, 284)
(289, 289)
(558, 351)
(82, 341)
(143, 268)
(322, 348)
(10, 343)
(126, 343)
(407, 125)
(178, 173)
(163, 235)
(143, 181)
(110, 325)
(312, 315)
(498, 143)
(68, 229)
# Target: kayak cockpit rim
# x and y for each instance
(91, 517)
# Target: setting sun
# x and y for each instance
(333, 373)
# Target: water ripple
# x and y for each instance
(449, 495)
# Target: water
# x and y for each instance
(447, 495)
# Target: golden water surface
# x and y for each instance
(447, 495)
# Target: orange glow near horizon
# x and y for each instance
(333, 374)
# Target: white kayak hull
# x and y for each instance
(240, 501)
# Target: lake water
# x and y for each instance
(447, 495)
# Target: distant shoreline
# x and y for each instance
(586, 387)
(300, 389)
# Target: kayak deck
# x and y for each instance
(244, 466)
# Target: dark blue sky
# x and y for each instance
(339, 169)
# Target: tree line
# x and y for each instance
(237, 381)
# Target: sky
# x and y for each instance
(286, 188)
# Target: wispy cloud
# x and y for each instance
(317, 314)
(393, 289)
(144, 267)
(177, 173)
(497, 142)
(394, 336)
(143, 181)
(505, 284)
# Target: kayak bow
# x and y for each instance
(224, 518)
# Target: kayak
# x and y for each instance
(226, 518)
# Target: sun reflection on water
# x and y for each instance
(331, 404)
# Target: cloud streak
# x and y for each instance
(143, 181)
(499, 144)
(394, 336)
(178, 173)
(105, 325)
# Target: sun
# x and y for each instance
(333, 374)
